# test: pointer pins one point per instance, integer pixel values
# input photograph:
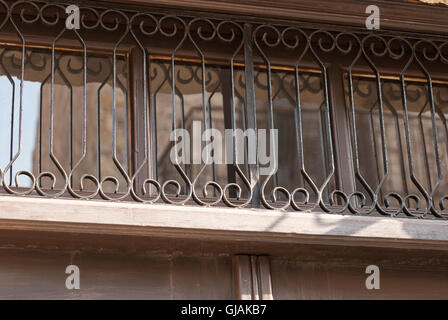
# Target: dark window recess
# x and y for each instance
(61, 132)
(88, 114)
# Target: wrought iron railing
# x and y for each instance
(88, 113)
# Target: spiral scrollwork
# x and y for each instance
(298, 49)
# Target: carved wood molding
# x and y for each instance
(395, 14)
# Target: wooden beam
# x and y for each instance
(264, 270)
(252, 277)
(242, 276)
(395, 14)
(218, 223)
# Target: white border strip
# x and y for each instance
(193, 221)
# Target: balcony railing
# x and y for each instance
(121, 110)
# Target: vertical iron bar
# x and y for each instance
(373, 136)
(136, 78)
(126, 117)
(70, 130)
(383, 134)
(154, 137)
(254, 176)
(11, 147)
(226, 81)
(324, 141)
(182, 126)
(210, 125)
(425, 149)
(436, 142)
(98, 134)
(39, 133)
(345, 179)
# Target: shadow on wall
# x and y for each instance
(420, 229)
